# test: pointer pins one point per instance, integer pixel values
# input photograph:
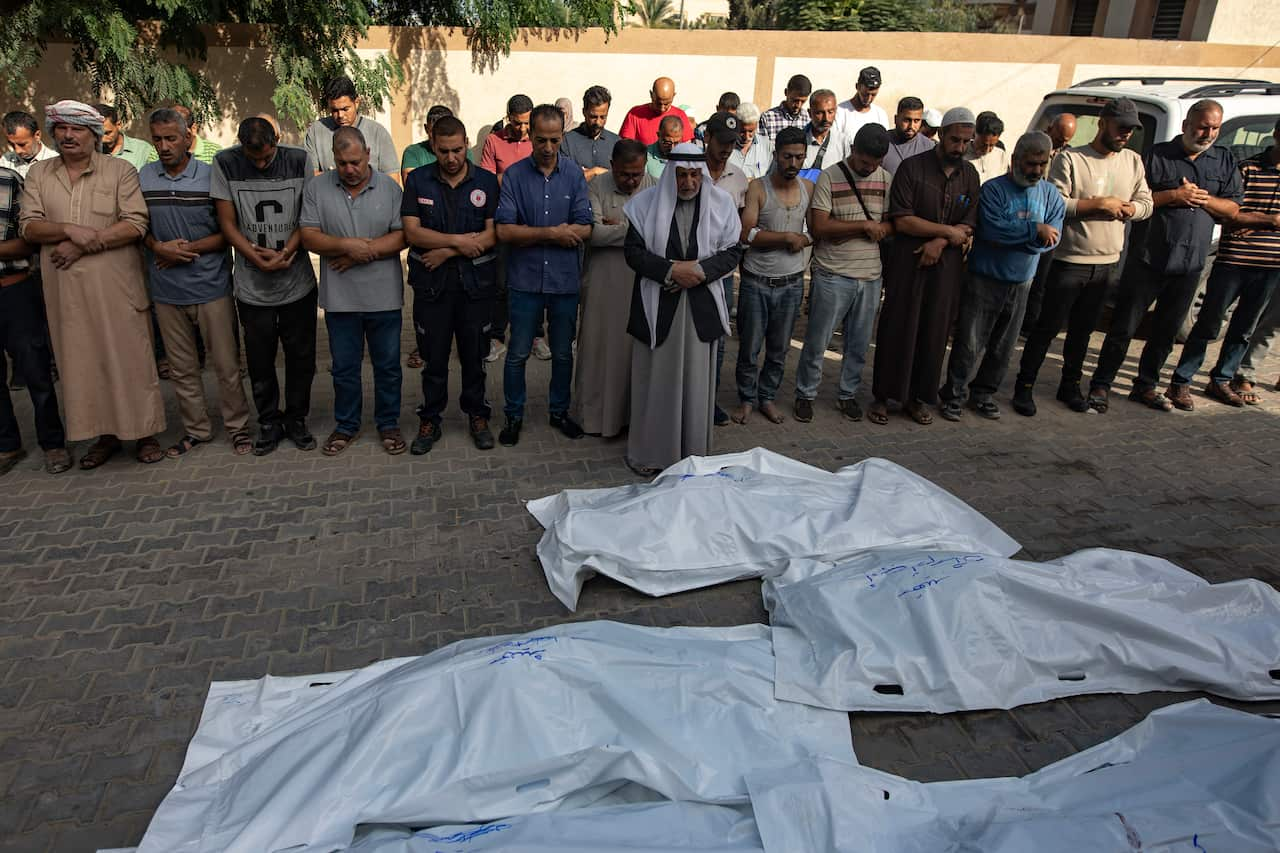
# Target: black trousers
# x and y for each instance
(453, 317)
(24, 337)
(1073, 297)
(1173, 295)
(266, 329)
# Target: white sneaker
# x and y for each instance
(541, 351)
(496, 349)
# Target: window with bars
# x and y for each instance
(1167, 23)
(1083, 14)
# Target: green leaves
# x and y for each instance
(139, 53)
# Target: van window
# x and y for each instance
(1248, 135)
(1087, 116)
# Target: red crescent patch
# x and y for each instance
(478, 198)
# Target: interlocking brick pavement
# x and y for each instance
(124, 591)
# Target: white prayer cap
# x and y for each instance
(933, 118)
(958, 115)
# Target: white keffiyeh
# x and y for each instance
(651, 212)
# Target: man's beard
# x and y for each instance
(1022, 180)
(1112, 144)
(1195, 147)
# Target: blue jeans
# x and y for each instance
(990, 317)
(834, 297)
(766, 316)
(525, 310)
(348, 331)
(1254, 287)
(1260, 341)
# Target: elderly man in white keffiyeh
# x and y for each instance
(683, 236)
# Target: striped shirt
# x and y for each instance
(856, 257)
(774, 120)
(10, 191)
(1259, 247)
(181, 209)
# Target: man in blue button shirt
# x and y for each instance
(544, 213)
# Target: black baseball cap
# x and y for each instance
(723, 126)
(1124, 111)
(869, 77)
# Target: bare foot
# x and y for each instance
(741, 414)
(770, 411)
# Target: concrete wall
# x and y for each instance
(1006, 73)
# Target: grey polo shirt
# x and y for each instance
(587, 152)
(373, 213)
(181, 209)
(382, 150)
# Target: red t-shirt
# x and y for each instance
(642, 123)
(499, 152)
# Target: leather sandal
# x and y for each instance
(241, 442)
(57, 460)
(99, 452)
(184, 446)
(148, 451)
(392, 441)
(1247, 392)
(338, 442)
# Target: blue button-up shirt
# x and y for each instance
(531, 198)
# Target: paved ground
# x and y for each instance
(124, 591)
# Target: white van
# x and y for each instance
(1249, 112)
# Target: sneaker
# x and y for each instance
(567, 426)
(480, 435)
(803, 410)
(1023, 403)
(269, 436)
(1099, 399)
(951, 409)
(850, 409)
(721, 416)
(510, 435)
(1069, 393)
(987, 408)
(301, 437)
(496, 349)
(428, 435)
(540, 350)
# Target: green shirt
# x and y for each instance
(135, 152)
(417, 154)
(656, 163)
(205, 150)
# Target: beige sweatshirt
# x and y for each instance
(1082, 173)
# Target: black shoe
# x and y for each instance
(1069, 393)
(510, 435)
(480, 434)
(951, 409)
(803, 410)
(566, 425)
(268, 439)
(301, 437)
(1023, 403)
(850, 409)
(428, 435)
(987, 408)
(721, 416)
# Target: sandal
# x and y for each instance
(147, 451)
(392, 441)
(241, 442)
(1247, 392)
(918, 413)
(185, 445)
(414, 361)
(338, 442)
(878, 413)
(99, 453)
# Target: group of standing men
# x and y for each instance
(577, 222)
